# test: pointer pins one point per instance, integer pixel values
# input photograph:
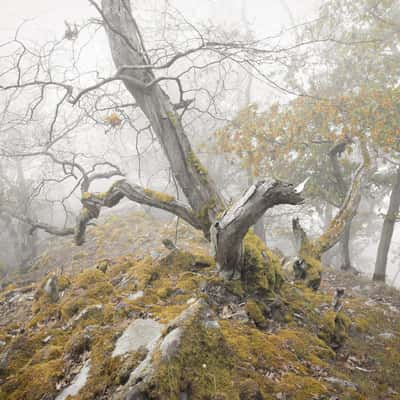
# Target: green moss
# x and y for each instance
(72, 306)
(34, 382)
(173, 118)
(85, 212)
(262, 273)
(334, 328)
(254, 310)
(313, 272)
(235, 287)
(64, 282)
(203, 215)
(250, 390)
(22, 349)
(89, 277)
(159, 196)
(106, 372)
(204, 366)
(302, 387)
(167, 313)
(196, 164)
(189, 282)
(86, 195)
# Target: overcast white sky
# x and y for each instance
(267, 16)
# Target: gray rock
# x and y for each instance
(187, 314)
(211, 324)
(4, 357)
(47, 339)
(51, 289)
(386, 335)
(140, 333)
(136, 394)
(135, 296)
(341, 382)
(143, 372)
(86, 313)
(77, 383)
(170, 344)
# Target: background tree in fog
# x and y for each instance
(346, 93)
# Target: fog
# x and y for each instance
(61, 144)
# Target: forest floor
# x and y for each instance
(227, 348)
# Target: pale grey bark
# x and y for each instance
(93, 203)
(128, 49)
(334, 154)
(259, 228)
(387, 231)
(228, 232)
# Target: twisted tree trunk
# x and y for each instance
(128, 50)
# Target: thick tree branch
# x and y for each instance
(92, 204)
(228, 232)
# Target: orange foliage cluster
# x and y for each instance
(291, 132)
(113, 119)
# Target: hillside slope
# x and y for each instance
(130, 319)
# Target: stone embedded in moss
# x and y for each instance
(203, 366)
(77, 383)
(141, 332)
(51, 289)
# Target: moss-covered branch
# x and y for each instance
(93, 202)
(308, 266)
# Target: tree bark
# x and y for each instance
(310, 252)
(227, 234)
(387, 231)
(345, 248)
(127, 49)
(342, 188)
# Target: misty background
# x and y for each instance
(93, 137)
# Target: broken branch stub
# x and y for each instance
(228, 232)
